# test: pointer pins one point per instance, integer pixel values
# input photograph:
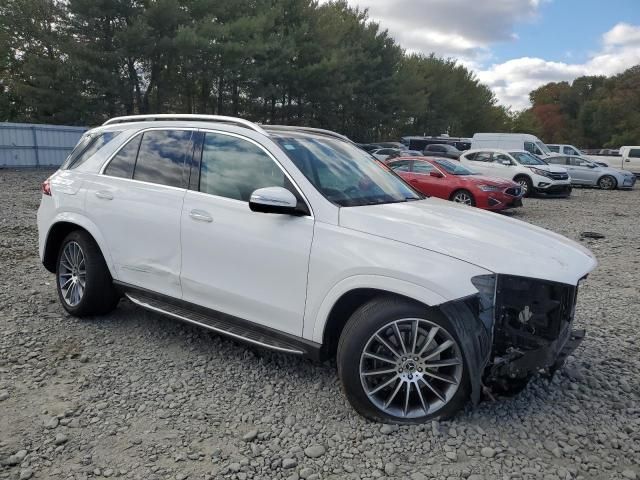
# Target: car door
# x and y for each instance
(503, 166)
(632, 160)
(246, 264)
(136, 202)
(424, 182)
(580, 172)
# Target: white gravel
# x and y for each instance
(135, 395)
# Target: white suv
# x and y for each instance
(296, 240)
(532, 173)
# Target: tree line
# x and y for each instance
(591, 112)
(78, 62)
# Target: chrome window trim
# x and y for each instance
(269, 154)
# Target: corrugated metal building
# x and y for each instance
(36, 145)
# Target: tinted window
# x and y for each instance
(554, 148)
(122, 164)
(500, 158)
(482, 157)
(234, 168)
(453, 167)
(526, 158)
(578, 162)
(161, 157)
(88, 146)
(436, 148)
(422, 167)
(634, 153)
(402, 166)
(530, 147)
(568, 151)
(470, 156)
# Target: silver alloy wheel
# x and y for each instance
(525, 186)
(411, 368)
(462, 197)
(606, 183)
(72, 274)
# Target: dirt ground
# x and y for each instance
(136, 395)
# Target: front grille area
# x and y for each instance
(559, 176)
(531, 313)
(514, 191)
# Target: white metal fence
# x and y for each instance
(35, 145)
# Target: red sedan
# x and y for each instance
(448, 179)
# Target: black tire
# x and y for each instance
(526, 184)
(467, 194)
(607, 182)
(509, 387)
(361, 329)
(99, 295)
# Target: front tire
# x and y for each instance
(526, 185)
(607, 182)
(401, 363)
(463, 196)
(83, 281)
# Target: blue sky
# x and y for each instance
(514, 46)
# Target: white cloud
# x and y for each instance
(458, 28)
(513, 80)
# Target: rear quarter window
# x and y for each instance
(88, 146)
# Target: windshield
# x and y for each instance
(525, 158)
(453, 168)
(344, 174)
(543, 148)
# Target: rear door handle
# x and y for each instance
(200, 216)
(104, 195)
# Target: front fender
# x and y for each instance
(92, 228)
(378, 282)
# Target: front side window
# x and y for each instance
(453, 168)
(401, 166)
(525, 158)
(634, 153)
(578, 162)
(123, 163)
(502, 159)
(423, 167)
(234, 168)
(344, 174)
(161, 157)
(87, 147)
(554, 148)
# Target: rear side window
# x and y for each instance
(87, 147)
(554, 148)
(634, 153)
(423, 167)
(233, 168)
(557, 160)
(161, 157)
(123, 163)
(402, 166)
(482, 157)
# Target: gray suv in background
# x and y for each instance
(442, 150)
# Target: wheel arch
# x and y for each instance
(346, 297)
(615, 180)
(60, 228)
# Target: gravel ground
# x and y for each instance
(136, 395)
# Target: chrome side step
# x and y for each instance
(223, 324)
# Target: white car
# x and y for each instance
(296, 240)
(532, 173)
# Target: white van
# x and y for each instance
(511, 141)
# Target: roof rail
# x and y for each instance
(320, 131)
(187, 116)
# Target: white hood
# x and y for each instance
(489, 240)
(548, 168)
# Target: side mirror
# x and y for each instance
(274, 200)
(436, 174)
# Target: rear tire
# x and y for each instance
(83, 281)
(407, 370)
(607, 182)
(525, 184)
(463, 196)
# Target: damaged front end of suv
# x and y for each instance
(522, 326)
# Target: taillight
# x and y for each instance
(46, 187)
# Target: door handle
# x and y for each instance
(200, 216)
(104, 195)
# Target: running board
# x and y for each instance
(224, 324)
